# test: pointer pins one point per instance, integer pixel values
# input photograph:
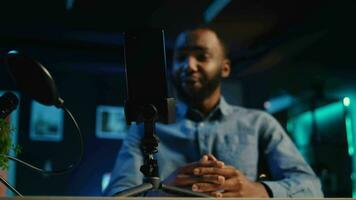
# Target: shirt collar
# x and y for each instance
(223, 109)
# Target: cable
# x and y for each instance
(61, 171)
(81, 139)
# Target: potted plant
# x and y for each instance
(6, 144)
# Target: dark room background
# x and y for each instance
(294, 59)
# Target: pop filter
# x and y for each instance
(33, 78)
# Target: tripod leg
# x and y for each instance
(10, 186)
(135, 191)
(182, 192)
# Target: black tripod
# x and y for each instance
(149, 168)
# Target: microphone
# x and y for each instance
(8, 103)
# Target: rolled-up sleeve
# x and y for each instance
(291, 176)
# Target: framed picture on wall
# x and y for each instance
(110, 122)
(46, 123)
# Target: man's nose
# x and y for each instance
(191, 64)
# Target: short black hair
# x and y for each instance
(223, 43)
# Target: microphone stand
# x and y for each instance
(3, 180)
(149, 169)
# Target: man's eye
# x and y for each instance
(202, 57)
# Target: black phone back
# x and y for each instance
(146, 78)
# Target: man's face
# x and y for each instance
(198, 64)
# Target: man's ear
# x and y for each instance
(226, 68)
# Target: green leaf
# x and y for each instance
(6, 144)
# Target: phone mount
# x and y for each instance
(149, 169)
(136, 111)
(148, 102)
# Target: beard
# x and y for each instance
(197, 95)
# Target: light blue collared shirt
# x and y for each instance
(237, 136)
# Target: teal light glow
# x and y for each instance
(13, 52)
(69, 5)
(301, 127)
(279, 103)
(353, 178)
(214, 9)
(346, 101)
(348, 123)
(329, 112)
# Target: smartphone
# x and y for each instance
(146, 76)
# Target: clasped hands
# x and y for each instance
(213, 177)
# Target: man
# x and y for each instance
(214, 147)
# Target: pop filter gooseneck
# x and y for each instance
(34, 80)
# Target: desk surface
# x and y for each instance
(136, 198)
